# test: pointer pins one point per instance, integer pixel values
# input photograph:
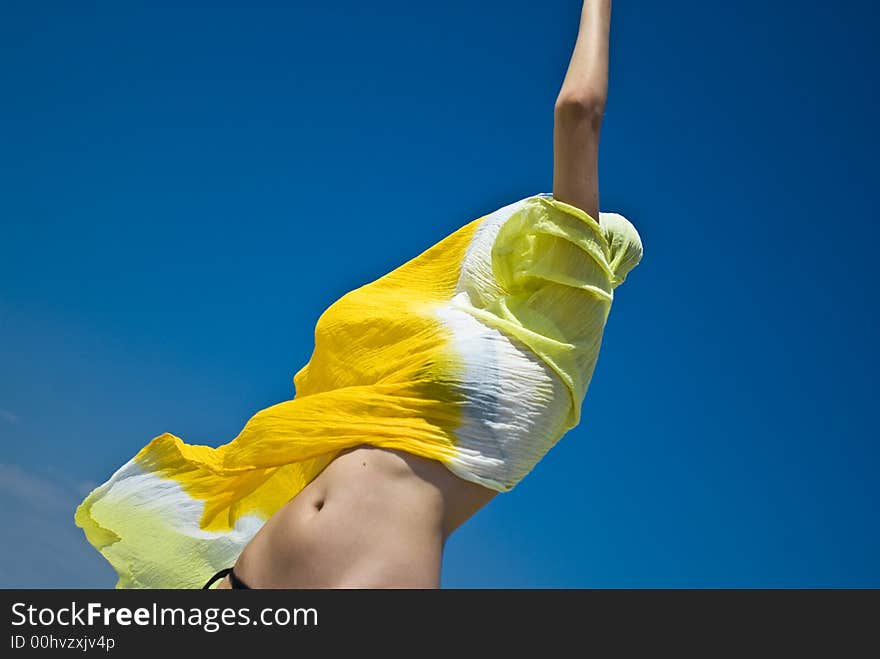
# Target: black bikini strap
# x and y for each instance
(236, 582)
(222, 573)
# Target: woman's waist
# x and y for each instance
(384, 487)
(369, 514)
(374, 486)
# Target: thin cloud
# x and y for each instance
(36, 491)
(8, 416)
(42, 547)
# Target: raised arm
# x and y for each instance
(578, 112)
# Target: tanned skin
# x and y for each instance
(379, 518)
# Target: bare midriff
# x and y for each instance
(373, 518)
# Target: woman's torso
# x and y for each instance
(372, 518)
(507, 342)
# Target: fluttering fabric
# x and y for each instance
(476, 353)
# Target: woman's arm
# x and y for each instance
(578, 112)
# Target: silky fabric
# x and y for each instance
(477, 353)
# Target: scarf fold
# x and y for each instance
(477, 353)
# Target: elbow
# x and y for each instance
(581, 107)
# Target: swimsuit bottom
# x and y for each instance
(235, 582)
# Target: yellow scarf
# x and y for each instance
(477, 353)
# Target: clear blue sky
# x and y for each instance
(183, 190)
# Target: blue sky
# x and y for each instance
(184, 188)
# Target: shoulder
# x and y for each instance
(623, 244)
(625, 248)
